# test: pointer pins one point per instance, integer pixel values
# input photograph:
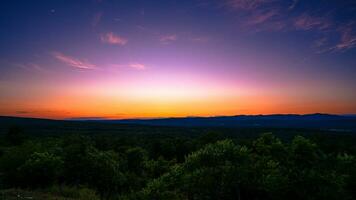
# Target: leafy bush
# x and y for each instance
(41, 169)
(77, 167)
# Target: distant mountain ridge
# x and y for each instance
(317, 121)
(342, 123)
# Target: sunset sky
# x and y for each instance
(173, 58)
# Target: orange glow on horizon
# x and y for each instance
(165, 95)
(116, 108)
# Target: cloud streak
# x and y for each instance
(200, 39)
(293, 5)
(168, 38)
(111, 38)
(137, 66)
(261, 17)
(245, 4)
(347, 38)
(307, 22)
(283, 15)
(73, 62)
(30, 66)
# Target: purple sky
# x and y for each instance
(128, 58)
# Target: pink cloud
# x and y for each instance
(347, 38)
(137, 66)
(73, 62)
(111, 38)
(168, 38)
(307, 22)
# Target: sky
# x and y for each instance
(174, 58)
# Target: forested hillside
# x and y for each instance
(211, 165)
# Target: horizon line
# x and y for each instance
(182, 117)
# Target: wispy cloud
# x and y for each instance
(261, 17)
(347, 38)
(293, 5)
(258, 15)
(96, 19)
(307, 22)
(111, 38)
(133, 65)
(73, 62)
(200, 39)
(30, 66)
(22, 112)
(245, 4)
(137, 66)
(168, 38)
(282, 15)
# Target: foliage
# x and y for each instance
(41, 169)
(211, 166)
